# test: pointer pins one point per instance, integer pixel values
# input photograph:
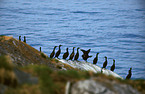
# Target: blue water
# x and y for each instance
(115, 28)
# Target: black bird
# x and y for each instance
(40, 49)
(65, 55)
(72, 54)
(85, 57)
(113, 66)
(85, 52)
(95, 59)
(24, 39)
(53, 52)
(77, 54)
(58, 52)
(19, 38)
(105, 63)
(129, 74)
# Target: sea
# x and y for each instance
(114, 28)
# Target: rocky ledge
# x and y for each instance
(27, 70)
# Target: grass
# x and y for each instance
(54, 82)
(43, 55)
(7, 76)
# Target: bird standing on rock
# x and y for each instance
(77, 54)
(58, 52)
(19, 38)
(72, 54)
(113, 66)
(105, 63)
(95, 59)
(40, 49)
(85, 55)
(24, 39)
(129, 74)
(53, 52)
(65, 55)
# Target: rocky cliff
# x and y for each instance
(24, 69)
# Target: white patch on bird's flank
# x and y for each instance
(89, 67)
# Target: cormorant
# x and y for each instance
(40, 49)
(85, 57)
(19, 38)
(113, 66)
(95, 59)
(77, 54)
(72, 54)
(65, 55)
(58, 52)
(105, 63)
(129, 74)
(53, 52)
(24, 39)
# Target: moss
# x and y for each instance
(54, 82)
(7, 76)
(5, 63)
(43, 55)
(59, 66)
(1, 37)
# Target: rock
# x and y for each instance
(2, 88)
(22, 54)
(23, 77)
(95, 87)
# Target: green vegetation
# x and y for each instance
(1, 37)
(4, 63)
(7, 76)
(53, 82)
(43, 55)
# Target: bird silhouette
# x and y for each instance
(95, 59)
(129, 74)
(113, 66)
(72, 54)
(58, 52)
(77, 54)
(53, 52)
(19, 38)
(65, 55)
(40, 49)
(105, 63)
(24, 39)
(85, 57)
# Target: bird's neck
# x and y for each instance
(53, 49)
(73, 49)
(77, 50)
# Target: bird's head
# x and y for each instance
(60, 45)
(113, 60)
